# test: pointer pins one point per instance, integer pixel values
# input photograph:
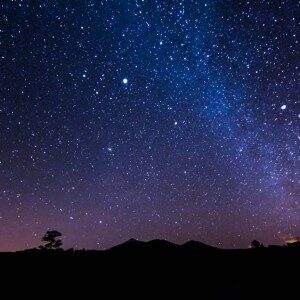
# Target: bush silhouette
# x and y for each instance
(256, 244)
(51, 239)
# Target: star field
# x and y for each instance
(149, 119)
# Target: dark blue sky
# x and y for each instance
(149, 119)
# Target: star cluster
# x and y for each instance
(149, 119)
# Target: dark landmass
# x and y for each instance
(160, 268)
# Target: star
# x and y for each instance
(168, 111)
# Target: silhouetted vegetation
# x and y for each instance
(51, 239)
(256, 244)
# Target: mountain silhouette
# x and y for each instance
(197, 245)
(131, 244)
(159, 246)
(192, 267)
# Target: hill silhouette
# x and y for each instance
(162, 268)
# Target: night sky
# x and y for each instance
(149, 119)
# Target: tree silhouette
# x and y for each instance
(256, 244)
(51, 240)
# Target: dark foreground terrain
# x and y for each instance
(157, 269)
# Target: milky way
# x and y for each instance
(149, 119)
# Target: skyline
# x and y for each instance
(140, 119)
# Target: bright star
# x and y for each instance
(125, 80)
(283, 107)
